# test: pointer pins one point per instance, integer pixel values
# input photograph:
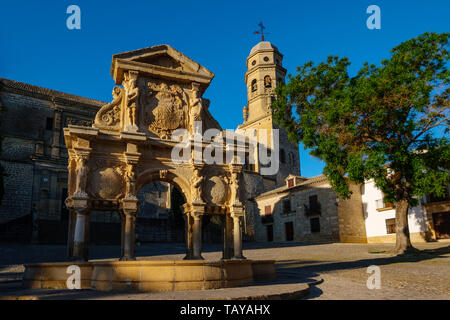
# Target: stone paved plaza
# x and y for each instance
(339, 268)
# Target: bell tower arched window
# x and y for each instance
(254, 85)
(267, 82)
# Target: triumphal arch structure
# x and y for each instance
(159, 90)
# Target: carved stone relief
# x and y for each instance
(215, 190)
(106, 180)
(163, 107)
(108, 117)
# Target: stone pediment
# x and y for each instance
(159, 91)
(160, 61)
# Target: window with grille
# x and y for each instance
(390, 226)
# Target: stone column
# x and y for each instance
(197, 237)
(189, 222)
(128, 236)
(237, 233)
(227, 237)
(81, 235)
(71, 232)
(122, 231)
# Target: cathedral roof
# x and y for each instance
(47, 94)
(263, 46)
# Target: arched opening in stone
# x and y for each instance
(254, 85)
(160, 217)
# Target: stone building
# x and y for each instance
(34, 157)
(308, 210)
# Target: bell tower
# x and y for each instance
(264, 73)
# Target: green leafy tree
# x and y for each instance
(389, 123)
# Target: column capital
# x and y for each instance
(130, 205)
(82, 154)
(132, 154)
(197, 208)
(77, 202)
(237, 210)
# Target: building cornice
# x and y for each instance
(56, 97)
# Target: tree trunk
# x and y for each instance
(403, 242)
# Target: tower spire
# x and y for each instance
(260, 31)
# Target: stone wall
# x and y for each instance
(18, 186)
(329, 225)
(328, 219)
(339, 220)
(34, 157)
(252, 185)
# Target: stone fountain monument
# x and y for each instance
(159, 90)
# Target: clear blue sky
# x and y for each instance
(37, 47)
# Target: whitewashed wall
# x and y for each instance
(376, 220)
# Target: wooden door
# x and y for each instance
(289, 228)
(442, 224)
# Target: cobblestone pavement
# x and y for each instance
(342, 267)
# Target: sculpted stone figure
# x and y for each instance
(81, 175)
(196, 182)
(196, 105)
(108, 117)
(132, 93)
(245, 113)
(234, 187)
(130, 175)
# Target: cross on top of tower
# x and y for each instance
(260, 31)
